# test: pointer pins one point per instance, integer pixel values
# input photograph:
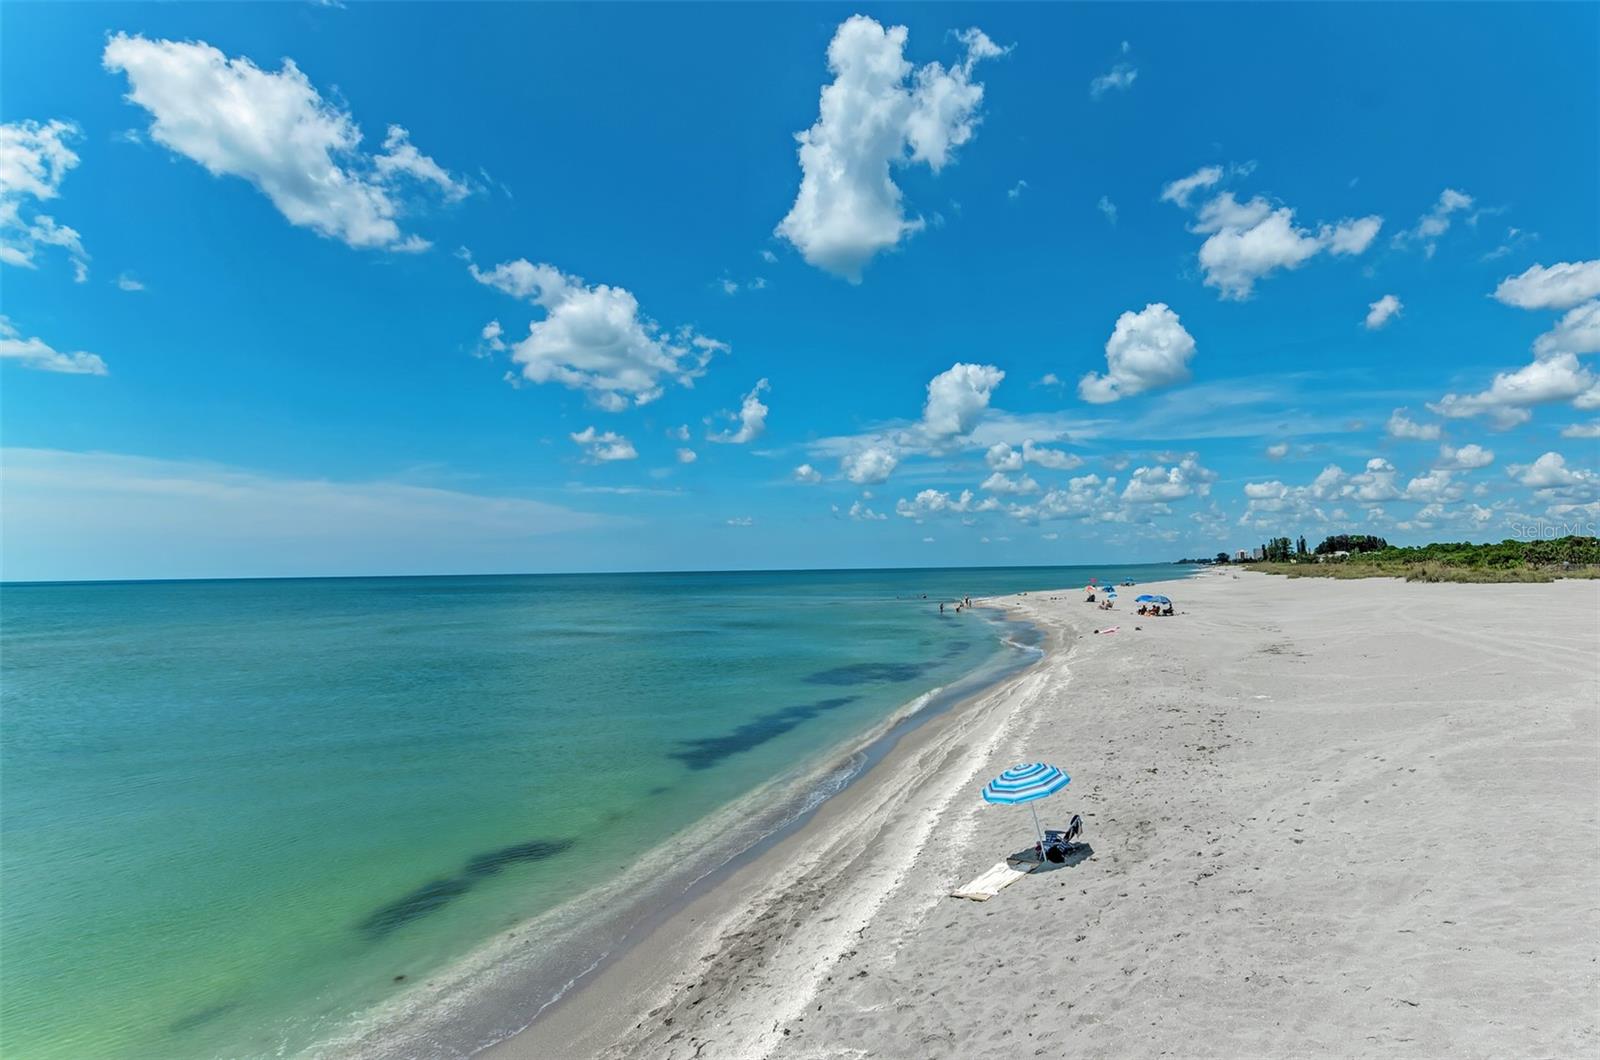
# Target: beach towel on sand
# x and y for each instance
(1001, 875)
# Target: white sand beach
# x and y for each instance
(1323, 818)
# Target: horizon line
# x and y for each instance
(578, 574)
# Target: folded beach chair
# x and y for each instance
(1058, 843)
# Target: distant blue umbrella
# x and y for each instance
(1026, 783)
(1147, 598)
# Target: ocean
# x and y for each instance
(279, 817)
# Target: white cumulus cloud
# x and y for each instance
(1151, 485)
(1178, 191)
(1088, 496)
(877, 113)
(1436, 222)
(1558, 286)
(1265, 490)
(1467, 457)
(1054, 459)
(34, 159)
(1147, 350)
(401, 158)
(1437, 486)
(1550, 472)
(807, 474)
(604, 446)
(37, 354)
(1376, 483)
(595, 339)
(1577, 332)
(1556, 378)
(1119, 78)
(870, 465)
(1001, 457)
(956, 397)
(1382, 311)
(752, 418)
(1270, 503)
(1246, 241)
(937, 502)
(1001, 483)
(1402, 426)
(275, 130)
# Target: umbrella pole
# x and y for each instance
(1036, 829)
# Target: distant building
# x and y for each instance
(1256, 553)
(1240, 556)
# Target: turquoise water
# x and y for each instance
(233, 813)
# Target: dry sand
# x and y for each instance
(1324, 818)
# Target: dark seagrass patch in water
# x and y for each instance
(708, 751)
(867, 673)
(436, 894)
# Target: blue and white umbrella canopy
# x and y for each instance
(1149, 599)
(1026, 783)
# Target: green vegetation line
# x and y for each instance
(1361, 556)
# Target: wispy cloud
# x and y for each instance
(110, 515)
(1119, 78)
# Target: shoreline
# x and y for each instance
(604, 1017)
(486, 989)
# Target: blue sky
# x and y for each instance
(487, 288)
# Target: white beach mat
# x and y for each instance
(998, 877)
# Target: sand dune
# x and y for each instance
(1323, 817)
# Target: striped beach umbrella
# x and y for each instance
(1026, 783)
(1147, 598)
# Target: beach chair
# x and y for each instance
(1058, 843)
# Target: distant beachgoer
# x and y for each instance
(941, 607)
